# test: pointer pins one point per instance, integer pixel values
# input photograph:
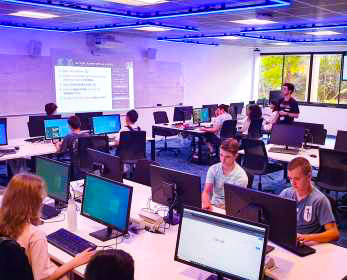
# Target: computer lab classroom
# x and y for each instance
(150, 100)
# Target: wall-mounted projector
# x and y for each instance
(102, 41)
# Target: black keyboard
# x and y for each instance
(48, 212)
(190, 128)
(34, 139)
(69, 242)
(283, 151)
(7, 151)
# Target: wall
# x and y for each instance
(211, 74)
(332, 118)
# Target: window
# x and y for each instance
(316, 76)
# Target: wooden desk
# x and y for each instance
(154, 253)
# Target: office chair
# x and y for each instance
(142, 171)
(332, 172)
(255, 129)
(159, 118)
(228, 129)
(341, 141)
(256, 161)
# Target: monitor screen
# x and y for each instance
(287, 135)
(36, 124)
(275, 95)
(182, 113)
(107, 202)
(237, 107)
(314, 132)
(211, 108)
(106, 124)
(3, 131)
(85, 119)
(57, 177)
(201, 115)
(56, 128)
(223, 245)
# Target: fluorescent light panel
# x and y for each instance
(323, 33)
(228, 37)
(281, 44)
(153, 28)
(31, 14)
(253, 21)
(137, 2)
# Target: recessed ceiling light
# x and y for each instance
(323, 33)
(253, 21)
(281, 44)
(137, 2)
(31, 14)
(228, 37)
(153, 28)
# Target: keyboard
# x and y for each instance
(34, 139)
(7, 151)
(48, 212)
(283, 151)
(69, 242)
(189, 128)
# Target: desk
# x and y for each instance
(154, 253)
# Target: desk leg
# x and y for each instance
(153, 149)
(200, 150)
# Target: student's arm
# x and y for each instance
(292, 115)
(206, 203)
(274, 118)
(245, 125)
(331, 233)
(213, 129)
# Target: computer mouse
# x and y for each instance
(314, 156)
(16, 148)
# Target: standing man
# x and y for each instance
(315, 220)
(288, 107)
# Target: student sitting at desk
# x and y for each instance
(226, 171)
(315, 220)
(70, 140)
(110, 264)
(272, 119)
(51, 109)
(213, 133)
(130, 123)
(253, 112)
(19, 215)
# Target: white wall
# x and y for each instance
(211, 74)
(332, 118)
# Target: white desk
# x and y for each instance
(154, 253)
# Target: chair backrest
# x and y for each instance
(332, 169)
(228, 129)
(160, 117)
(132, 145)
(142, 172)
(255, 154)
(14, 263)
(254, 130)
(341, 141)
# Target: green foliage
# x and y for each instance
(270, 74)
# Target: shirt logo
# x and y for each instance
(308, 213)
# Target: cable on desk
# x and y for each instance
(57, 221)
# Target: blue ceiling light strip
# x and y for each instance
(296, 28)
(188, 42)
(342, 40)
(135, 25)
(217, 9)
(17, 26)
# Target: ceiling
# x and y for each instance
(190, 21)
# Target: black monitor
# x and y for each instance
(107, 202)
(226, 246)
(174, 189)
(275, 95)
(279, 213)
(287, 135)
(102, 164)
(201, 115)
(3, 131)
(85, 119)
(56, 128)
(251, 102)
(314, 133)
(236, 109)
(36, 124)
(212, 109)
(183, 113)
(57, 176)
(106, 124)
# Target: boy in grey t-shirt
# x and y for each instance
(315, 220)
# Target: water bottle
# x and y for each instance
(72, 215)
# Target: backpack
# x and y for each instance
(14, 263)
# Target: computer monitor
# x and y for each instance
(85, 119)
(314, 133)
(106, 124)
(211, 109)
(226, 246)
(107, 202)
(236, 109)
(275, 95)
(56, 128)
(57, 176)
(3, 131)
(287, 135)
(174, 189)
(201, 115)
(277, 212)
(36, 124)
(183, 113)
(102, 164)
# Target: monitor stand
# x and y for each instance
(172, 218)
(106, 234)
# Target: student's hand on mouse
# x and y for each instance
(202, 128)
(303, 238)
(83, 257)
(206, 205)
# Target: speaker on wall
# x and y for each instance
(34, 48)
(151, 53)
